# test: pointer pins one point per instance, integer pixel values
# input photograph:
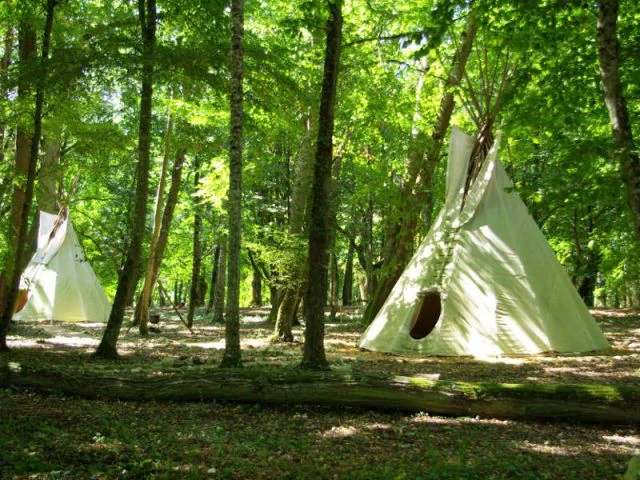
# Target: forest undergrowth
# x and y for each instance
(60, 437)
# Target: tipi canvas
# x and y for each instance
(59, 282)
(484, 281)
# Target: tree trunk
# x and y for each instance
(618, 405)
(286, 315)
(256, 288)
(232, 354)
(608, 54)
(347, 283)
(49, 176)
(422, 158)
(144, 302)
(5, 62)
(129, 273)
(214, 277)
(319, 226)
(299, 198)
(194, 292)
(221, 281)
(275, 299)
(23, 195)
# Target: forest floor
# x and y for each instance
(59, 437)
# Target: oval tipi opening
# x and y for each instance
(427, 316)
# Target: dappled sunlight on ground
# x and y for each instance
(171, 340)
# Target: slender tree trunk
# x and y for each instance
(144, 302)
(232, 354)
(129, 273)
(167, 216)
(214, 278)
(256, 288)
(194, 292)
(609, 55)
(221, 283)
(347, 282)
(291, 295)
(10, 281)
(276, 296)
(422, 157)
(5, 62)
(314, 356)
(49, 177)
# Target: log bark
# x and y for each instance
(573, 402)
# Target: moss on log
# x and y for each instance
(588, 403)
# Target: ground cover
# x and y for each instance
(54, 436)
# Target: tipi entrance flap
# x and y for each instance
(503, 291)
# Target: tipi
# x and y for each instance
(484, 281)
(59, 283)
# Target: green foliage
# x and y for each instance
(556, 134)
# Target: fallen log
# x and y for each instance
(587, 403)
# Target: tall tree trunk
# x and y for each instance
(290, 297)
(256, 288)
(165, 228)
(129, 273)
(49, 176)
(232, 354)
(144, 302)
(23, 195)
(194, 292)
(5, 62)
(221, 281)
(214, 277)
(422, 159)
(347, 283)
(609, 55)
(314, 356)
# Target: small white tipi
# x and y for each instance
(59, 283)
(484, 281)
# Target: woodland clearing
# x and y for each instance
(51, 436)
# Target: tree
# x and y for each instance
(232, 354)
(23, 194)
(319, 226)
(627, 154)
(422, 157)
(129, 273)
(194, 291)
(144, 302)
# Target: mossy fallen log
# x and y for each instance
(587, 403)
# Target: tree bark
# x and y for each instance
(299, 198)
(609, 56)
(314, 356)
(347, 283)
(23, 194)
(422, 158)
(232, 353)
(563, 402)
(214, 278)
(5, 62)
(144, 302)
(194, 292)
(129, 273)
(221, 282)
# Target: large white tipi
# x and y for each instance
(484, 281)
(59, 283)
